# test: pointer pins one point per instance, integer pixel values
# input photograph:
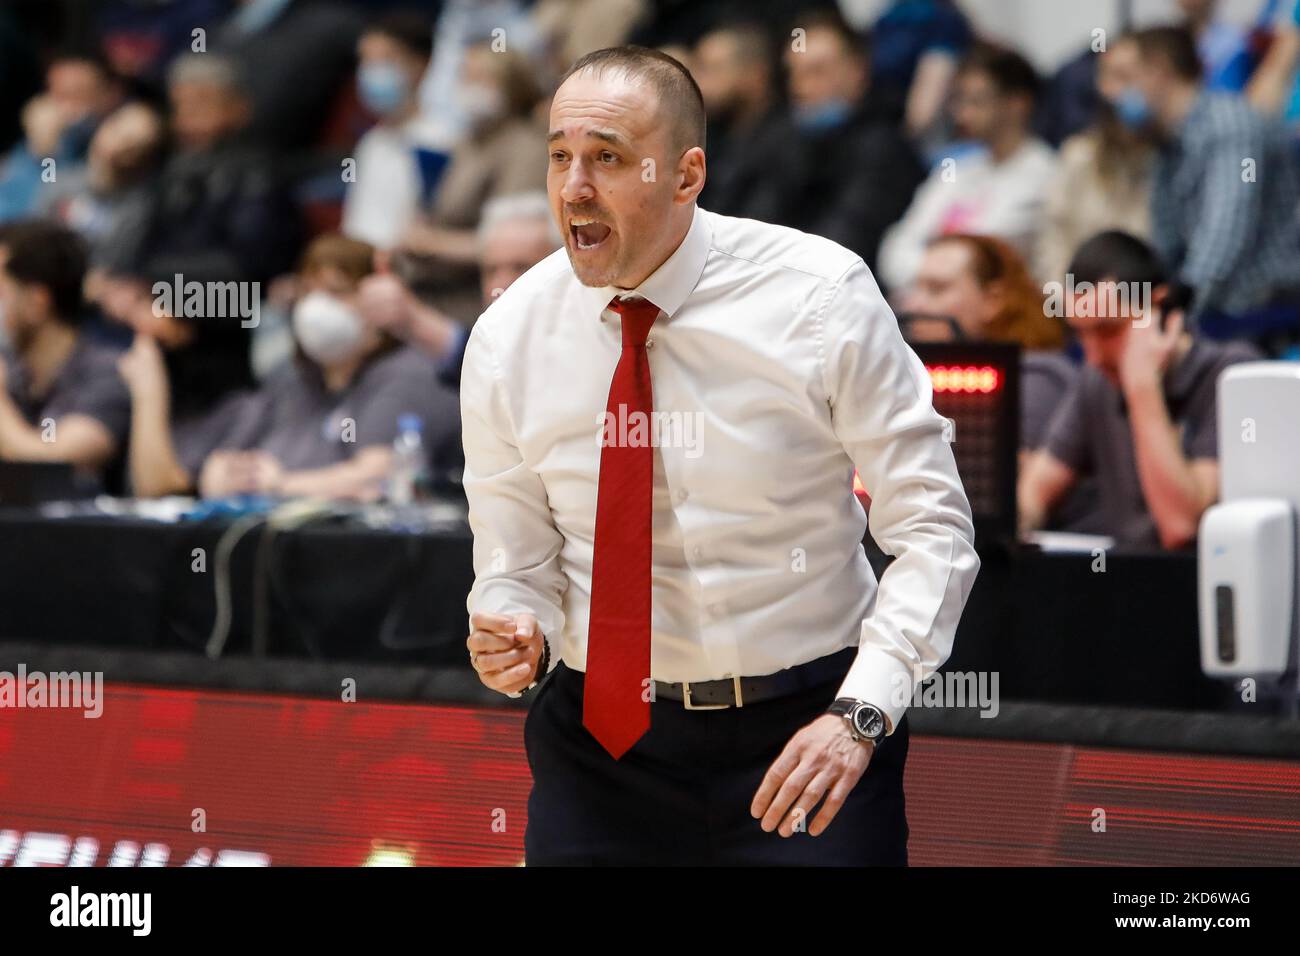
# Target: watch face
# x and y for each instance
(868, 722)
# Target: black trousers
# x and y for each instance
(681, 795)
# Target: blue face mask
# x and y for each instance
(1132, 109)
(823, 116)
(382, 87)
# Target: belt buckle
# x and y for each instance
(686, 698)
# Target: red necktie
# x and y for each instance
(618, 633)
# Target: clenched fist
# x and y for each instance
(505, 650)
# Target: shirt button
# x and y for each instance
(682, 495)
(649, 343)
(696, 552)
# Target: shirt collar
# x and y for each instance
(668, 286)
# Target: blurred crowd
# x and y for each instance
(242, 243)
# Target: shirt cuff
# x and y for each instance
(882, 680)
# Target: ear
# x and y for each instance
(692, 170)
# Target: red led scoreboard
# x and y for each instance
(282, 780)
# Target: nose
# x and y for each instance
(577, 185)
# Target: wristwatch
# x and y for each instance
(866, 721)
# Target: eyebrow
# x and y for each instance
(604, 135)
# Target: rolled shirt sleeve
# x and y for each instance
(882, 413)
(516, 543)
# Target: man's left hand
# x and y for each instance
(821, 760)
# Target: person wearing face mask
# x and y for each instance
(1103, 174)
(1226, 187)
(396, 159)
(853, 173)
(325, 423)
(497, 157)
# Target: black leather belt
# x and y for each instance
(739, 691)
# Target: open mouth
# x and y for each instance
(588, 234)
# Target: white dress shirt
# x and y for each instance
(777, 367)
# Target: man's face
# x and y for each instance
(824, 71)
(1117, 70)
(1101, 321)
(1153, 78)
(946, 287)
(79, 89)
(21, 306)
(718, 72)
(509, 251)
(977, 107)
(612, 176)
(203, 114)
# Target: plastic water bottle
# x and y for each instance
(407, 478)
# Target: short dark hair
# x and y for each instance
(1175, 46)
(1119, 256)
(408, 28)
(679, 94)
(1010, 72)
(48, 254)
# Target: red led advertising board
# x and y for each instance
(186, 777)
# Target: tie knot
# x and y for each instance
(638, 315)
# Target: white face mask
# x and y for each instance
(328, 330)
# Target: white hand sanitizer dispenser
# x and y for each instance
(1247, 543)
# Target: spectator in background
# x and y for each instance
(1103, 176)
(394, 157)
(515, 233)
(851, 174)
(462, 23)
(1142, 415)
(325, 424)
(60, 397)
(190, 392)
(1225, 51)
(981, 284)
(502, 153)
(999, 190)
(733, 67)
(1226, 189)
(219, 214)
(918, 45)
(107, 203)
(80, 90)
(295, 57)
(572, 28)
